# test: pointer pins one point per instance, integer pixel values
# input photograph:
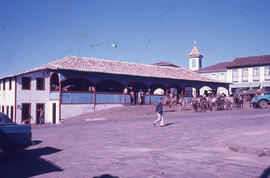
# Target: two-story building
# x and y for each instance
(244, 73)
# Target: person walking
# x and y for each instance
(159, 112)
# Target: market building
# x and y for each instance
(74, 85)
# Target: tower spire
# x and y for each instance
(195, 58)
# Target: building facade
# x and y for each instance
(244, 73)
(74, 85)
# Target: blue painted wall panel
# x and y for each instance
(156, 98)
(109, 98)
(77, 98)
(127, 99)
(146, 99)
(54, 96)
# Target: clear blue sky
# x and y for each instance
(35, 32)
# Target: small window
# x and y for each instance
(235, 75)
(244, 75)
(222, 76)
(26, 83)
(4, 85)
(267, 73)
(3, 109)
(10, 83)
(40, 83)
(256, 74)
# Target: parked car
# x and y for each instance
(13, 135)
(261, 101)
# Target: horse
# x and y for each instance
(229, 101)
(171, 101)
(217, 103)
(238, 102)
(196, 104)
(200, 103)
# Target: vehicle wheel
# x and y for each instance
(255, 105)
(263, 104)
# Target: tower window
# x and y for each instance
(194, 63)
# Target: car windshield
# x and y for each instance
(4, 119)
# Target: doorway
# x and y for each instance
(40, 117)
(26, 113)
(54, 113)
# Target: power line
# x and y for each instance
(155, 31)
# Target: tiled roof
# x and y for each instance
(214, 68)
(195, 52)
(123, 68)
(165, 63)
(250, 61)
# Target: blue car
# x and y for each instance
(13, 135)
(261, 101)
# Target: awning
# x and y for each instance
(254, 84)
(239, 85)
(265, 84)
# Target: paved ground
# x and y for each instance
(213, 144)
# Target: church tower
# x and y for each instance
(195, 58)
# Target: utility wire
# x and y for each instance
(155, 31)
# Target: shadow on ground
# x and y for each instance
(105, 176)
(266, 173)
(171, 123)
(27, 163)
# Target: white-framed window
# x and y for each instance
(222, 76)
(214, 76)
(194, 63)
(235, 75)
(267, 72)
(244, 74)
(256, 74)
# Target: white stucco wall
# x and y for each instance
(262, 78)
(7, 96)
(33, 96)
(220, 76)
(72, 110)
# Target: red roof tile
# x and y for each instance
(123, 68)
(195, 52)
(250, 61)
(214, 68)
(165, 63)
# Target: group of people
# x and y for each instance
(133, 96)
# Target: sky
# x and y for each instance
(36, 32)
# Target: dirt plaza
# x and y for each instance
(123, 142)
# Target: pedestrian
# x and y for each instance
(132, 97)
(41, 116)
(140, 97)
(159, 112)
